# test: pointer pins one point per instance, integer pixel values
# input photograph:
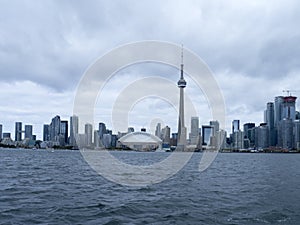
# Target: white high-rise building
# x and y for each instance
(88, 130)
(158, 132)
(194, 135)
(73, 129)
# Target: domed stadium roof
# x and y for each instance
(140, 140)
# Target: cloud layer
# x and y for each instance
(45, 46)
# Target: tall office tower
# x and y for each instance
(46, 132)
(194, 135)
(278, 108)
(287, 133)
(74, 123)
(235, 126)
(238, 140)
(221, 139)
(297, 134)
(96, 138)
(166, 132)
(181, 139)
(207, 133)
(0, 131)
(270, 123)
(262, 136)
(215, 124)
(88, 130)
(102, 130)
(64, 130)
(247, 129)
(158, 130)
(289, 109)
(18, 131)
(249, 133)
(28, 131)
(55, 129)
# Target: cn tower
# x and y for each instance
(181, 138)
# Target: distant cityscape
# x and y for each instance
(280, 131)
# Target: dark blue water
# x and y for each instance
(44, 187)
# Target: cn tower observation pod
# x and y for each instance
(141, 141)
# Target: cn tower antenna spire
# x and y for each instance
(181, 61)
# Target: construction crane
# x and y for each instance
(289, 92)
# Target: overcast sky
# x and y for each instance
(252, 48)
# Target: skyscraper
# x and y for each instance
(297, 134)
(166, 132)
(18, 131)
(249, 133)
(88, 130)
(207, 133)
(46, 132)
(194, 135)
(278, 110)
(73, 129)
(158, 130)
(64, 131)
(28, 131)
(181, 139)
(289, 110)
(235, 126)
(270, 124)
(287, 133)
(55, 129)
(102, 130)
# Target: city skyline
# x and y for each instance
(46, 47)
(279, 130)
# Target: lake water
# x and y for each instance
(44, 187)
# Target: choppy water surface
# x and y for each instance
(44, 187)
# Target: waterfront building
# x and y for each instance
(289, 109)
(174, 138)
(249, 134)
(262, 135)
(221, 139)
(55, 129)
(235, 126)
(278, 108)
(88, 130)
(114, 141)
(286, 126)
(106, 140)
(102, 130)
(181, 139)
(141, 141)
(194, 135)
(46, 132)
(166, 132)
(270, 123)
(158, 132)
(28, 132)
(238, 140)
(74, 126)
(297, 134)
(64, 131)
(207, 133)
(6, 135)
(215, 124)
(18, 131)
